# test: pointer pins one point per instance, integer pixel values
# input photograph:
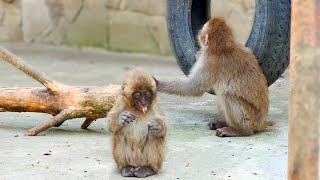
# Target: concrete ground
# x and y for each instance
(193, 151)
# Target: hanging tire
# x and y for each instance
(269, 38)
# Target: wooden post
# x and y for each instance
(304, 102)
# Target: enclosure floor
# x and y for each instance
(193, 151)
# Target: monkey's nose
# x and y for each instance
(144, 102)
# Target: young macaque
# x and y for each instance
(138, 127)
(232, 71)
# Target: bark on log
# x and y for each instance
(62, 101)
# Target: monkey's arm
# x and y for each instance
(180, 87)
(196, 84)
(113, 117)
(113, 125)
(118, 120)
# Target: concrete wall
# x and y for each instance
(10, 21)
(119, 25)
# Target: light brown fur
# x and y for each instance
(134, 144)
(232, 71)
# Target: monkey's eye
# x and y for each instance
(148, 94)
(137, 94)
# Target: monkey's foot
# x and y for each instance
(144, 171)
(217, 124)
(227, 132)
(127, 171)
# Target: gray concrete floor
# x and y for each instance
(193, 151)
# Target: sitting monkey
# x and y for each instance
(232, 71)
(138, 127)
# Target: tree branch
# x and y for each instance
(87, 123)
(60, 118)
(6, 55)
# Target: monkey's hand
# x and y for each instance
(154, 127)
(126, 117)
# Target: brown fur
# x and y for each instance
(232, 71)
(134, 144)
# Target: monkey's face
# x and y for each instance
(142, 99)
(139, 90)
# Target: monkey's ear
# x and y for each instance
(157, 82)
(206, 40)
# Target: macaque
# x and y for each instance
(232, 72)
(138, 127)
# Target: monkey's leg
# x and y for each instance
(144, 171)
(119, 151)
(128, 171)
(219, 121)
(238, 117)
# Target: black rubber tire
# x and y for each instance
(269, 38)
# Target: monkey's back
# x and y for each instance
(244, 78)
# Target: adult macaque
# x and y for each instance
(232, 71)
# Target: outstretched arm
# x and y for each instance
(196, 84)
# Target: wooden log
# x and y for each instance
(62, 101)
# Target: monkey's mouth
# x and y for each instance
(142, 109)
